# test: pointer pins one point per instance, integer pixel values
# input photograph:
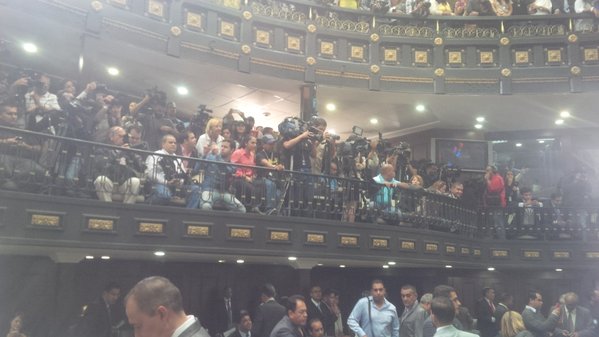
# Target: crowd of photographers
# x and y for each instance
(156, 155)
(93, 113)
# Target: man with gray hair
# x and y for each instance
(574, 318)
(425, 303)
(412, 319)
(155, 309)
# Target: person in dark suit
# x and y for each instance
(413, 315)
(318, 309)
(292, 324)
(504, 304)
(155, 309)
(485, 311)
(442, 290)
(222, 310)
(99, 316)
(574, 318)
(534, 321)
(244, 325)
(268, 314)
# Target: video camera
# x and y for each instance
(292, 127)
(197, 123)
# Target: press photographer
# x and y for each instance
(38, 100)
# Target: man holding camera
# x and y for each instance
(39, 100)
(299, 150)
(168, 175)
(117, 168)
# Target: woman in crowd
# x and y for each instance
(245, 176)
(513, 326)
(512, 191)
(210, 141)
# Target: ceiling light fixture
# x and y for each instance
(385, 266)
(159, 253)
(105, 257)
(480, 119)
(319, 264)
(478, 126)
(292, 258)
(420, 108)
(541, 141)
(491, 269)
(221, 261)
(518, 144)
(559, 122)
(113, 71)
(564, 114)
(89, 257)
(182, 91)
(559, 269)
(341, 266)
(374, 121)
(30, 47)
(448, 266)
(240, 261)
(331, 107)
(391, 263)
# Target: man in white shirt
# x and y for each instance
(40, 101)
(154, 308)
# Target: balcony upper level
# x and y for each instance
(309, 42)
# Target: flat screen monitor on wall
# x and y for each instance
(470, 155)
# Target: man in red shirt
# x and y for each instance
(494, 200)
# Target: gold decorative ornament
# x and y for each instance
(572, 38)
(486, 57)
(438, 41)
(374, 37)
(375, 69)
(151, 227)
(504, 41)
(380, 243)
(156, 8)
(575, 70)
(591, 54)
(246, 49)
(100, 224)
(311, 61)
(439, 72)
(247, 15)
(194, 20)
(390, 55)
(97, 6)
(315, 238)
(311, 28)
(175, 31)
(193, 230)
(506, 72)
(45, 220)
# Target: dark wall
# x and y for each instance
(51, 295)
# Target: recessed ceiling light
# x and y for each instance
(221, 261)
(448, 266)
(30, 47)
(478, 126)
(374, 121)
(541, 141)
(391, 263)
(480, 119)
(559, 121)
(113, 71)
(292, 258)
(105, 257)
(240, 261)
(341, 266)
(89, 257)
(81, 61)
(319, 264)
(182, 91)
(386, 266)
(331, 107)
(420, 108)
(159, 253)
(564, 114)
(491, 269)
(518, 144)
(559, 269)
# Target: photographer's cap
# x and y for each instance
(268, 139)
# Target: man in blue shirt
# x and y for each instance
(374, 316)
